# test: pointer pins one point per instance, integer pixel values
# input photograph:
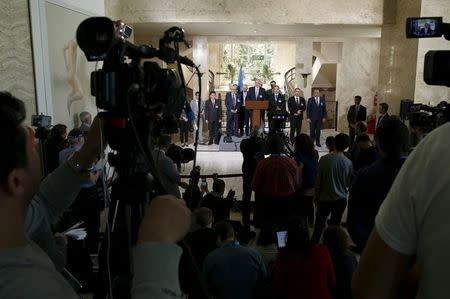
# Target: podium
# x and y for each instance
(256, 107)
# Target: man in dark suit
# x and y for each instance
(355, 114)
(383, 109)
(244, 114)
(316, 113)
(269, 92)
(213, 117)
(296, 106)
(426, 30)
(277, 102)
(233, 102)
(257, 93)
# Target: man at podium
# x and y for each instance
(257, 93)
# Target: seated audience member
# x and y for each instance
(215, 201)
(86, 206)
(56, 142)
(277, 178)
(25, 270)
(338, 243)
(367, 152)
(86, 121)
(170, 177)
(333, 178)
(412, 226)
(266, 245)
(360, 129)
(307, 156)
(232, 271)
(244, 234)
(329, 142)
(193, 195)
(371, 184)
(303, 269)
(203, 239)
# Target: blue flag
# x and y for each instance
(240, 79)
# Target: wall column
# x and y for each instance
(398, 56)
(200, 57)
(303, 64)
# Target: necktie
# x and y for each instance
(296, 100)
(379, 120)
(356, 112)
(234, 100)
(317, 101)
(256, 92)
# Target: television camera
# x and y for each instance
(437, 63)
(140, 101)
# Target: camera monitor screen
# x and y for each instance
(281, 239)
(423, 27)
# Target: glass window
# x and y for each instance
(252, 57)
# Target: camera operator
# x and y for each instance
(25, 270)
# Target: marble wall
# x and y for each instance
(357, 74)
(16, 63)
(425, 93)
(237, 11)
(398, 57)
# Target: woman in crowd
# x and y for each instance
(184, 125)
(306, 155)
(303, 269)
(338, 244)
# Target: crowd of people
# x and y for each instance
(301, 248)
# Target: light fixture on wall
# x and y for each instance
(305, 79)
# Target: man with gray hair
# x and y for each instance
(86, 121)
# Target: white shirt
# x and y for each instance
(414, 218)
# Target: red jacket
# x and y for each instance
(299, 276)
(277, 176)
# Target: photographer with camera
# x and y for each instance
(24, 267)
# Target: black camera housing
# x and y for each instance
(436, 68)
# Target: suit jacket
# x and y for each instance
(261, 95)
(314, 111)
(229, 102)
(244, 97)
(380, 120)
(352, 118)
(213, 113)
(194, 107)
(279, 103)
(293, 107)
